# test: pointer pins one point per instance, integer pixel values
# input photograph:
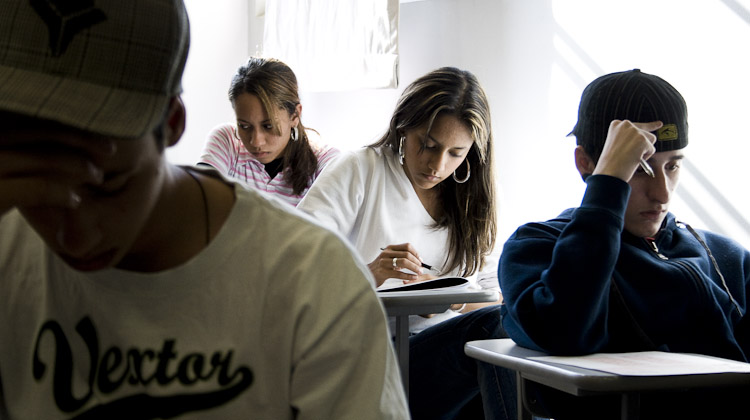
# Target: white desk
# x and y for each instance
(580, 381)
(403, 304)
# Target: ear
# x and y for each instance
(297, 114)
(584, 163)
(175, 123)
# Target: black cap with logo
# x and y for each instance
(635, 96)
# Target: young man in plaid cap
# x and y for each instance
(132, 288)
(620, 273)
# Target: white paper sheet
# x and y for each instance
(650, 363)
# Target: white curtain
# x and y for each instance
(335, 45)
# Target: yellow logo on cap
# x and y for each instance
(667, 132)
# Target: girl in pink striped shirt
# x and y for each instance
(268, 148)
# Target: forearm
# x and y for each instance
(556, 286)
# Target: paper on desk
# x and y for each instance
(650, 363)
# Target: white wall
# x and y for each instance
(534, 57)
(219, 43)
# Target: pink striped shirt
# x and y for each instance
(229, 156)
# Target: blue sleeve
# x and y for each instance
(555, 276)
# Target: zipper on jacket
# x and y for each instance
(652, 244)
(693, 274)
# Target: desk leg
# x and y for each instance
(630, 406)
(523, 411)
(402, 349)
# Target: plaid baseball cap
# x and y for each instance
(635, 96)
(104, 66)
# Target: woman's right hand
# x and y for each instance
(393, 262)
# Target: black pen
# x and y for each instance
(427, 266)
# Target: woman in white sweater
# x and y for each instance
(424, 193)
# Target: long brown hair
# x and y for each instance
(275, 85)
(469, 210)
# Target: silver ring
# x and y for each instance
(394, 263)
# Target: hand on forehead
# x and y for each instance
(46, 137)
(43, 164)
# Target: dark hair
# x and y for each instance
(469, 210)
(275, 85)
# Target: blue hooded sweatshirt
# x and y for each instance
(580, 284)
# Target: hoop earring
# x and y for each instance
(468, 174)
(295, 134)
(401, 150)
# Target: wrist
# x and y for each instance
(458, 307)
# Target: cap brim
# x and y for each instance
(84, 105)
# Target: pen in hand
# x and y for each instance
(427, 266)
(646, 168)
